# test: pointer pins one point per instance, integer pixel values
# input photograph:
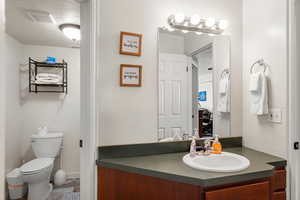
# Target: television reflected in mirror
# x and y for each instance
(194, 85)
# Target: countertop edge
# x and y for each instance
(194, 181)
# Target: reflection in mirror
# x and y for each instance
(194, 85)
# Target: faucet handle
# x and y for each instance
(207, 142)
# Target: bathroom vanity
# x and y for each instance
(129, 173)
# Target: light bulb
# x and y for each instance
(171, 29)
(209, 22)
(211, 34)
(185, 31)
(179, 18)
(195, 19)
(164, 28)
(223, 24)
(199, 33)
(72, 33)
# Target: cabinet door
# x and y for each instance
(279, 196)
(258, 191)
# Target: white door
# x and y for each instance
(195, 90)
(173, 95)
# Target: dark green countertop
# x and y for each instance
(170, 167)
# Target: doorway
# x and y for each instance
(203, 90)
(70, 110)
(294, 97)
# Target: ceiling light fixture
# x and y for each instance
(179, 18)
(223, 24)
(210, 22)
(195, 20)
(195, 24)
(71, 31)
(170, 29)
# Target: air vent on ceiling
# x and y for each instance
(38, 16)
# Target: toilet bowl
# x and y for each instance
(36, 173)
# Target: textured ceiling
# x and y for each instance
(21, 27)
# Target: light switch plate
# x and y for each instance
(275, 115)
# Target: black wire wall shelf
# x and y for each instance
(36, 67)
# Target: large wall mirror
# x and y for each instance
(194, 85)
(192, 71)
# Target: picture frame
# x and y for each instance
(130, 75)
(202, 96)
(131, 44)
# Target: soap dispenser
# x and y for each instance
(216, 146)
(193, 147)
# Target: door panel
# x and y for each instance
(173, 95)
(176, 97)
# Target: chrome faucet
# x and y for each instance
(185, 136)
(207, 146)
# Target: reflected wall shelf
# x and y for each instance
(36, 67)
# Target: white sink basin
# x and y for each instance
(225, 162)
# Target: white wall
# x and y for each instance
(129, 115)
(25, 114)
(265, 36)
(13, 141)
(169, 43)
(57, 111)
(193, 42)
(2, 103)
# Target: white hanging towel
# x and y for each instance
(223, 85)
(259, 98)
(224, 94)
(254, 84)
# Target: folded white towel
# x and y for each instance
(259, 98)
(48, 81)
(47, 75)
(254, 84)
(48, 78)
(224, 97)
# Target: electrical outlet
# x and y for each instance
(275, 115)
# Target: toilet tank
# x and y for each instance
(47, 146)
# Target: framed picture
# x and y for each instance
(131, 75)
(202, 96)
(131, 44)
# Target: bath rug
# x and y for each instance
(72, 196)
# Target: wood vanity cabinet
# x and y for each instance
(120, 185)
(278, 184)
(245, 192)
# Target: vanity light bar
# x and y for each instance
(196, 24)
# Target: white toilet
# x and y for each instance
(37, 172)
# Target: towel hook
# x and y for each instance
(225, 71)
(260, 62)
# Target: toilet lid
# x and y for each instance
(47, 136)
(36, 165)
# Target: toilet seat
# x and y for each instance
(36, 165)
